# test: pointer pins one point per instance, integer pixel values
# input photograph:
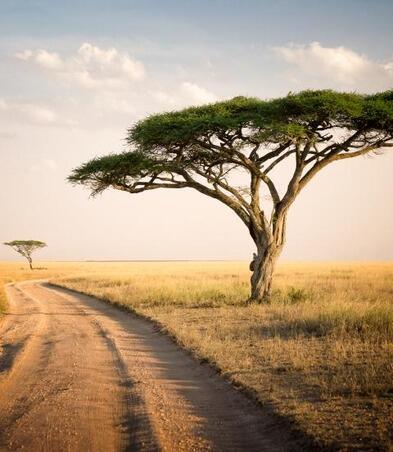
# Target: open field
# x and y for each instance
(80, 374)
(19, 271)
(321, 353)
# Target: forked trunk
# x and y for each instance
(262, 276)
(269, 248)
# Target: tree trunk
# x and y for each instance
(261, 279)
(30, 263)
(269, 248)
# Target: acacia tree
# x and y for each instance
(205, 148)
(26, 248)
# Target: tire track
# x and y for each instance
(87, 376)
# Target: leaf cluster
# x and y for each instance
(207, 138)
(32, 243)
(26, 247)
(271, 120)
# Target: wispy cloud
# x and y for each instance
(90, 67)
(197, 94)
(339, 66)
(185, 94)
(107, 85)
(42, 58)
(33, 114)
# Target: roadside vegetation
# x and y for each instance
(26, 248)
(19, 271)
(206, 148)
(320, 353)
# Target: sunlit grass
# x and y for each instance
(321, 352)
(19, 271)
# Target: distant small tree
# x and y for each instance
(206, 148)
(26, 248)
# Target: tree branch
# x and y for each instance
(336, 156)
(217, 194)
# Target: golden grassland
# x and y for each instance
(320, 354)
(19, 271)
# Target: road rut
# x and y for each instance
(77, 374)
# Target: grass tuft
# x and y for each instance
(321, 352)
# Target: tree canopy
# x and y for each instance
(243, 132)
(26, 248)
(204, 147)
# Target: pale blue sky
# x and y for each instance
(363, 25)
(74, 75)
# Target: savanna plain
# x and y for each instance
(320, 354)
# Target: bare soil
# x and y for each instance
(77, 374)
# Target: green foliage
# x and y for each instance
(296, 295)
(26, 247)
(182, 126)
(290, 296)
(26, 243)
(156, 139)
(109, 169)
(272, 120)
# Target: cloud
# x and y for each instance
(41, 57)
(389, 67)
(197, 94)
(183, 95)
(163, 97)
(338, 65)
(32, 113)
(37, 113)
(90, 67)
(108, 86)
(48, 60)
(113, 103)
(24, 55)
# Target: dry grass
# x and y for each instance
(320, 353)
(19, 271)
(10, 272)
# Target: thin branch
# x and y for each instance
(217, 194)
(336, 156)
(278, 160)
(275, 152)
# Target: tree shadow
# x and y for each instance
(232, 419)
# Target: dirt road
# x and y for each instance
(77, 374)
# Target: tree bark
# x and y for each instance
(262, 268)
(269, 247)
(30, 263)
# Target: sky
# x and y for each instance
(75, 75)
